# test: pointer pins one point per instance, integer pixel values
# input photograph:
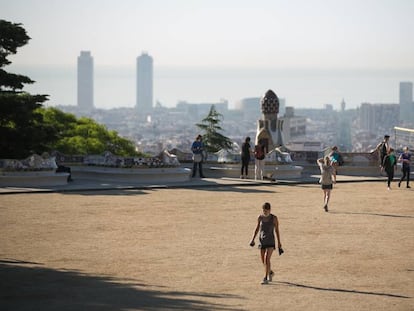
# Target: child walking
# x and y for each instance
(267, 225)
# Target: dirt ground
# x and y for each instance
(188, 249)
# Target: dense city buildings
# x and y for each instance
(85, 81)
(155, 128)
(144, 89)
(406, 102)
(375, 117)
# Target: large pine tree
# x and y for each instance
(22, 131)
(212, 138)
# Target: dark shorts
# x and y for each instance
(327, 186)
(267, 246)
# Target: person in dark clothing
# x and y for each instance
(382, 148)
(65, 169)
(245, 158)
(389, 164)
(405, 159)
(267, 225)
(198, 148)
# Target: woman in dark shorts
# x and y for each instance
(267, 225)
(327, 179)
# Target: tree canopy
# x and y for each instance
(21, 129)
(84, 135)
(27, 128)
(212, 138)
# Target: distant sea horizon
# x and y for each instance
(115, 87)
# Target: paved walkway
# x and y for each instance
(82, 184)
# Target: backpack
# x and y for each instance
(259, 152)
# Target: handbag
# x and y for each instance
(197, 157)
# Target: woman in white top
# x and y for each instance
(327, 180)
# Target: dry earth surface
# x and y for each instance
(187, 249)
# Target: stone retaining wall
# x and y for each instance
(32, 179)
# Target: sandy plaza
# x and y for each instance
(188, 249)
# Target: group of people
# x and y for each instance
(388, 162)
(259, 153)
(267, 223)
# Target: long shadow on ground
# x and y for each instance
(29, 286)
(349, 291)
(371, 214)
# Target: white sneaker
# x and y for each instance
(265, 281)
(271, 276)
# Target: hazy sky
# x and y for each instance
(224, 33)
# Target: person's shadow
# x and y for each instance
(340, 290)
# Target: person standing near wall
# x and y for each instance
(259, 155)
(197, 148)
(389, 164)
(405, 159)
(383, 148)
(245, 158)
(336, 159)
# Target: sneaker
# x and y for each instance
(271, 276)
(388, 188)
(265, 281)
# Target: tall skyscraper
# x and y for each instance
(85, 81)
(406, 102)
(144, 84)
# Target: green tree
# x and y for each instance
(26, 127)
(212, 138)
(84, 135)
(22, 131)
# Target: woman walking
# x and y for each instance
(267, 225)
(328, 177)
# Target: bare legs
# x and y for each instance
(335, 166)
(265, 255)
(326, 197)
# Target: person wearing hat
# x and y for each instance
(405, 159)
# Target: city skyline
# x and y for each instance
(116, 86)
(311, 53)
(144, 85)
(85, 81)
